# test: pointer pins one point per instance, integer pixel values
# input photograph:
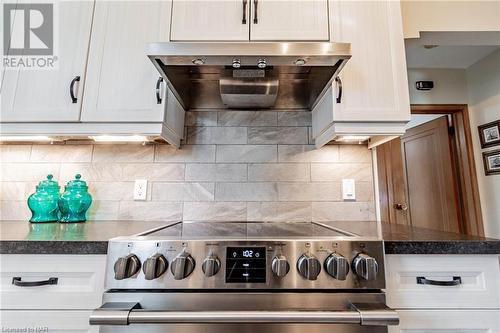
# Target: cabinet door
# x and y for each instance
(55, 321)
(478, 288)
(79, 277)
(447, 321)
(289, 20)
(370, 97)
(29, 95)
(121, 80)
(224, 20)
(374, 80)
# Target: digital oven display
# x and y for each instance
(246, 265)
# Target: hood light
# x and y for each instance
(16, 138)
(300, 62)
(236, 63)
(198, 61)
(353, 138)
(262, 63)
(119, 138)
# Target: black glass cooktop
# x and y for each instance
(249, 229)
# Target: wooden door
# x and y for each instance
(215, 20)
(289, 20)
(426, 172)
(121, 80)
(44, 95)
(429, 168)
(393, 202)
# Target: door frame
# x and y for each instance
(470, 206)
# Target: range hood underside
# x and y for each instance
(198, 87)
(249, 74)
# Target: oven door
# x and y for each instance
(237, 312)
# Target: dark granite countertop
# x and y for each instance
(19, 237)
(400, 239)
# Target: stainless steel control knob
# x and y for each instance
(280, 266)
(365, 266)
(126, 267)
(262, 63)
(308, 266)
(337, 266)
(211, 265)
(182, 266)
(154, 266)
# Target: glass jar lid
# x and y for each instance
(48, 184)
(77, 183)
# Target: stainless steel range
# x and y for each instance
(245, 277)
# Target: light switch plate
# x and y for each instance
(348, 189)
(140, 189)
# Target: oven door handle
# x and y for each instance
(131, 313)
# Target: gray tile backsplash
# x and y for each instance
(233, 165)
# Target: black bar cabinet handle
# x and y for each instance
(339, 84)
(244, 20)
(17, 282)
(74, 99)
(255, 19)
(455, 282)
(158, 91)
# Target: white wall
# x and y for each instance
(450, 86)
(483, 82)
(471, 15)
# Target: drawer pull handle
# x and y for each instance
(455, 282)
(17, 282)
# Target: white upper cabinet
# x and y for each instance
(371, 97)
(243, 20)
(29, 95)
(122, 82)
(223, 20)
(289, 20)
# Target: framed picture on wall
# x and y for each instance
(489, 134)
(491, 161)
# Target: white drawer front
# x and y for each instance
(47, 321)
(479, 287)
(80, 281)
(447, 321)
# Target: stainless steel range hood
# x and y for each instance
(249, 75)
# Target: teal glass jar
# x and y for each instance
(44, 202)
(75, 201)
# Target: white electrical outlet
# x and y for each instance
(140, 189)
(348, 189)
